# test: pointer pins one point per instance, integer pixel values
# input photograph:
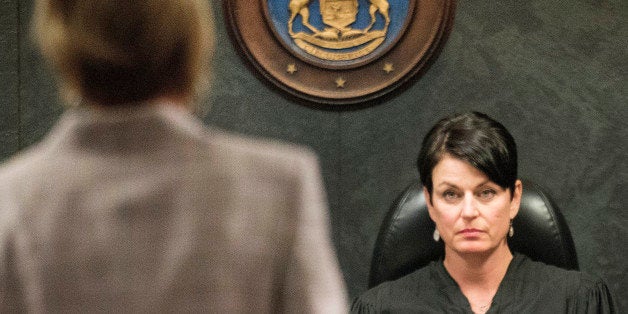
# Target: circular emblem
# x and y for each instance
(339, 51)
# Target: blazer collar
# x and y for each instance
(142, 129)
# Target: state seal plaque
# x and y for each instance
(339, 51)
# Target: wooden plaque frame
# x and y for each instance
(424, 33)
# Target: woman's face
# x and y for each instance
(471, 212)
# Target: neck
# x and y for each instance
(478, 274)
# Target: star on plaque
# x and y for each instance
(340, 82)
(291, 68)
(388, 67)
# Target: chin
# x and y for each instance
(473, 248)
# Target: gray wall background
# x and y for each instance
(553, 72)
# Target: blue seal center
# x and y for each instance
(389, 19)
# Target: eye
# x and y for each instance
(487, 194)
(450, 195)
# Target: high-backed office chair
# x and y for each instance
(405, 241)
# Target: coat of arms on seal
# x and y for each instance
(335, 40)
(339, 51)
(337, 33)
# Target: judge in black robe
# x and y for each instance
(468, 168)
(528, 287)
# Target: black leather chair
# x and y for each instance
(405, 241)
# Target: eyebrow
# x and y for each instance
(455, 186)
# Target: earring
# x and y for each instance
(436, 235)
(511, 231)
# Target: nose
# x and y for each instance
(469, 207)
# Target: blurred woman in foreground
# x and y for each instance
(131, 205)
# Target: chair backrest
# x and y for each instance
(405, 241)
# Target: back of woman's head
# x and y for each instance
(475, 138)
(115, 52)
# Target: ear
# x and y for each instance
(516, 199)
(428, 202)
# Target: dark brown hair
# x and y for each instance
(119, 52)
(475, 138)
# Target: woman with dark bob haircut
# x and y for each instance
(468, 167)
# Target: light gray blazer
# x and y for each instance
(146, 210)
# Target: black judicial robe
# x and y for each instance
(527, 287)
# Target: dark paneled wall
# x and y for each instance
(9, 78)
(553, 72)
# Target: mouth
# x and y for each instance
(470, 231)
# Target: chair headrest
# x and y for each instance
(405, 243)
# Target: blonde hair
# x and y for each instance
(115, 52)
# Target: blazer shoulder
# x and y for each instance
(21, 164)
